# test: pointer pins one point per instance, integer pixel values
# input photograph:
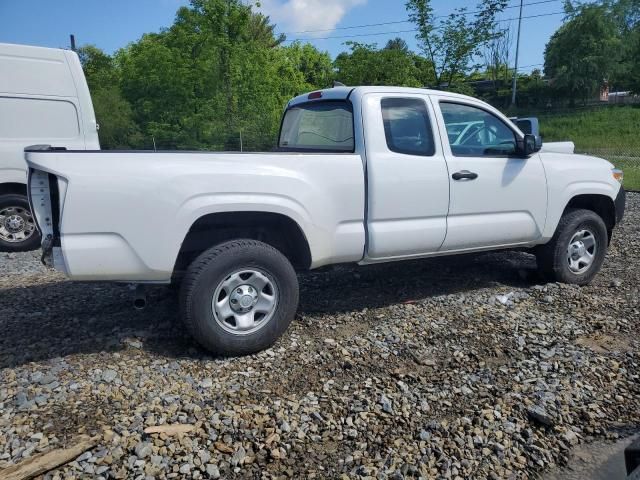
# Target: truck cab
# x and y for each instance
(446, 173)
(44, 99)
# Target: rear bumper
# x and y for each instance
(620, 204)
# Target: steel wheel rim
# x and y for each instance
(581, 251)
(245, 301)
(16, 224)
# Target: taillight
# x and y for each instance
(315, 95)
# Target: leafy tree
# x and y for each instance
(583, 53)
(113, 113)
(217, 78)
(451, 44)
(497, 57)
(118, 130)
(633, 60)
(395, 64)
(314, 66)
(397, 44)
(99, 68)
(263, 31)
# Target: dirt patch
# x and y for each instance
(604, 343)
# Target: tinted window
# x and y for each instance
(324, 126)
(474, 132)
(407, 126)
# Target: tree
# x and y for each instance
(262, 30)
(314, 67)
(583, 53)
(632, 59)
(497, 56)
(217, 78)
(397, 44)
(99, 68)
(451, 44)
(113, 113)
(395, 64)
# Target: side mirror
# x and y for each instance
(530, 125)
(529, 146)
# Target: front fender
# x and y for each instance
(558, 201)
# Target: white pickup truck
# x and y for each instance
(362, 175)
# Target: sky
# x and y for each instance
(112, 24)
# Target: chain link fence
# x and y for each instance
(625, 158)
(606, 131)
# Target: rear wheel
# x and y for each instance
(18, 231)
(239, 297)
(577, 250)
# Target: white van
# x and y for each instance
(44, 99)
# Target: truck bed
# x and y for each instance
(126, 214)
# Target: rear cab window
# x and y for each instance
(323, 126)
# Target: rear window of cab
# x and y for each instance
(325, 126)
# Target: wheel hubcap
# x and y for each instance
(581, 251)
(16, 224)
(245, 301)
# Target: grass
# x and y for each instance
(611, 132)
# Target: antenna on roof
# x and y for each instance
(338, 84)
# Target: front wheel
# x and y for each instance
(577, 250)
(18, 231)
(239, 297)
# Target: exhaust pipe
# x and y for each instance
(139, 297)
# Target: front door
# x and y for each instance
(408, 187)
(497, 198)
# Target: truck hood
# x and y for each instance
(554, 159)
(559, 147)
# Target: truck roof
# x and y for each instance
(342, 93)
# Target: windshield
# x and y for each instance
(319, 126)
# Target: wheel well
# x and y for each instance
(279, 231)
(15, 188)
(600, 204)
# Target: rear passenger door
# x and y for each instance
(408, 186)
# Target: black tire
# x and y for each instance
(32, 242)
(214, 267)
(553, 261)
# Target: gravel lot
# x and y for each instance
(447, 368)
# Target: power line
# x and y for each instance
(409, 21)
(531, 65)
(310, 39)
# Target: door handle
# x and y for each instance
(464, 175)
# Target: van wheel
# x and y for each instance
(18, 232)
(577, 250)
(239, 297)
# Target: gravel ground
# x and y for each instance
(447, 368)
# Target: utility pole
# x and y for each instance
(73, 42)
(515, 70)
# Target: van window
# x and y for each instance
(319, 126)
(33, 118)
